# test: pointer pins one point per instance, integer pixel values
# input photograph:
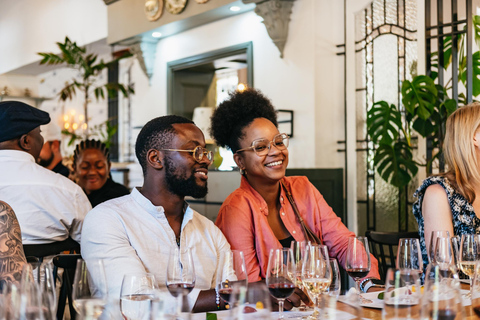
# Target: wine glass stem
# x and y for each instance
(471, 285)
(179, 305)
(280, 309)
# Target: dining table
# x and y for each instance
(343, 311)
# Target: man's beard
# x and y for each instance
(45, 162)
(180, 185)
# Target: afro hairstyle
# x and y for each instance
(236, 113)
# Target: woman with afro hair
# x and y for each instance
(258, 216)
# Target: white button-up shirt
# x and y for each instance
(49, 207)
(132, 235)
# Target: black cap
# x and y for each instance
(18, 118)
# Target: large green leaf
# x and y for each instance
(384, 123)
(395, 163)
(419, 96)
(476, 74)
(476, 29)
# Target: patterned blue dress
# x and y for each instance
(464, 219)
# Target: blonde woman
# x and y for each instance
(449, 201)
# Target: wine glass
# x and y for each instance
(295, 268)
(444, 254)
(336, 284)
(358, 261)
(30, 304)
(180, 276)
(136, 295)
(476, 291)
(433, 242)
(89, 296)
(409, 255)
(235, 277)
(278, 281)
(316, 274)
(468, 255)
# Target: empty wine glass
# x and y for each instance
(444, 254)
(235, 275)
(476, 291)
(180, 276)
(30, 299)
(316, 274)
(358, 261)
(136, 295)
(336, 284)
(89, 296)
(409, 255)
(468, 255)
(278, 281)
(433, 242)
(295, 269)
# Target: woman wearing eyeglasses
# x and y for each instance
(258, 216)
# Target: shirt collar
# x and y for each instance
(159, 211)
(18, 155)
(244, 184)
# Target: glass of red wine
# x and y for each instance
(358, 260)
(279, 283)
(180, 276)
(234, 276)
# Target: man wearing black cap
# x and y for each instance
(49, 207)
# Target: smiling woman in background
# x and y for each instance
(259, 216)
(91, 164)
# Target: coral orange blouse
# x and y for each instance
(243, 220)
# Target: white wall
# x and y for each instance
(31, 26)
(305, 80)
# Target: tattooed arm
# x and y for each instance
(12, 257)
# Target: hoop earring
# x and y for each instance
(243, 172)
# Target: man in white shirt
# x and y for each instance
(49, 207)
(135, 233)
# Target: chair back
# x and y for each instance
(50, 249)
(383, 246)
(68, 262)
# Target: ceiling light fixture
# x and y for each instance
(156, 34)
(234, 8)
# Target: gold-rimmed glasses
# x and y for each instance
(197, 153)
(262, 146)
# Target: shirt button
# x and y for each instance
(283, 213)
(294, 232)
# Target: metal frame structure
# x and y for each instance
(441, 30)
(365, 44)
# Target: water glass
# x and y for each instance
(136, 296)
(442, 299)
(252, 304)
(409, 255)
(402, 298)
(89, 296)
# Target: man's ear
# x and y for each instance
(239, 160)
(155, 159)
(24, 142)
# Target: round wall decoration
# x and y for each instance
(175, 6)
(153, 9)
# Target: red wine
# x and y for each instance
(176, 289)
(445, 314)
(358, 273)
(281, 290)
(477, 311)
(225, 294)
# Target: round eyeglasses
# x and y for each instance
(197, 153)
(262, 146)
